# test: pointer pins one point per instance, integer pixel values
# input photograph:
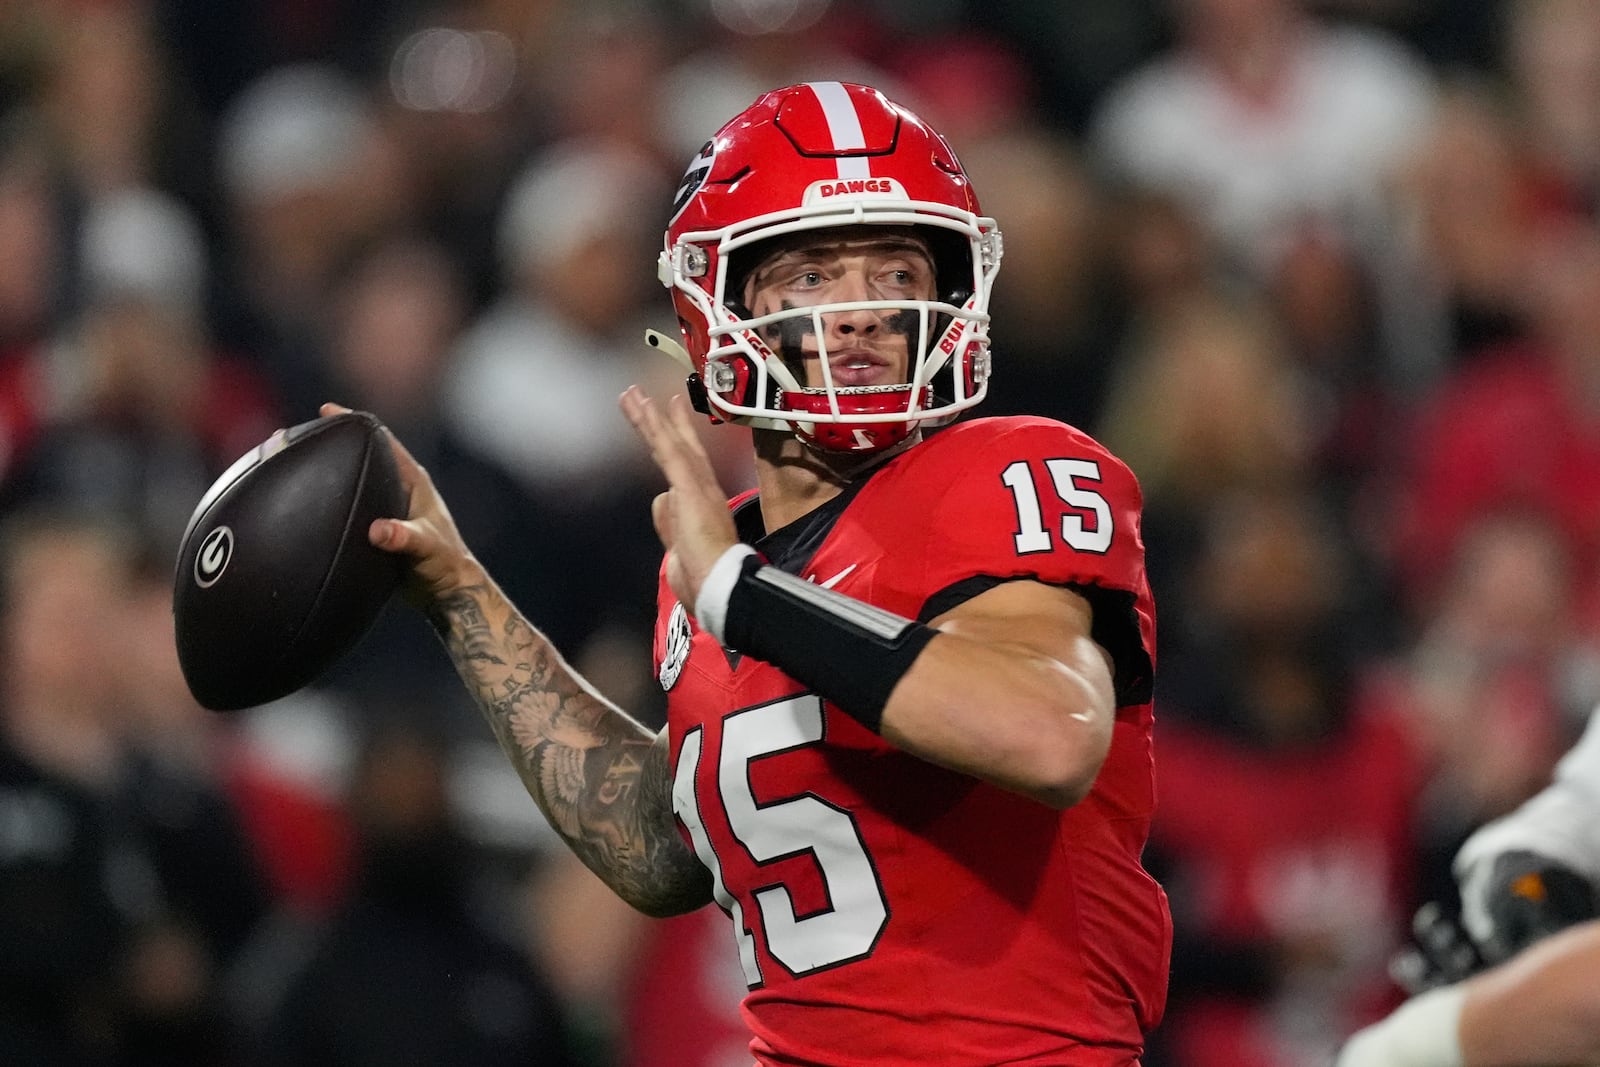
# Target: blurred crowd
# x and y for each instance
(1327, 274)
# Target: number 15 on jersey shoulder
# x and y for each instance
(1071, 480)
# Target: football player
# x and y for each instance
(908, 747)
(1536, 870)
(1522, 877)
(1542, 1007)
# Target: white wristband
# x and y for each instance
(711, 606)
(1425, 1031)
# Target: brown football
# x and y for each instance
(275, 578)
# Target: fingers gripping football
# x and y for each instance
(427, 535)
(691, 517)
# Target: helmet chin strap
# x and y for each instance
(679, 354)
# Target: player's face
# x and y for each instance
(864, 347)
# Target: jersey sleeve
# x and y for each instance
(1040, 500)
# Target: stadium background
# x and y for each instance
(1326, 274)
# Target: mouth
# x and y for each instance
(859, 368)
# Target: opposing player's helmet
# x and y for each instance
(813, 156)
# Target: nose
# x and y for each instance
(851, 286)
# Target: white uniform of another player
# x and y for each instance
(1560, 825)
(1530, 876)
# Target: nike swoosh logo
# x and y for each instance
(837, 578)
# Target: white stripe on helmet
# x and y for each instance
(844, 125)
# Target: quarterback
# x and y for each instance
(908, 747)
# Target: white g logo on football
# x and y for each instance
(212, 559)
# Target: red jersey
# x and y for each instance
(889, 911)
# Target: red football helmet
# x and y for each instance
(827, 154)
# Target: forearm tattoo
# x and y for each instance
(601, 778)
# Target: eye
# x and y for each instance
(903, 277)
(808, 279)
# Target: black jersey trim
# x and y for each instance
(791, 547)
(1115, 628)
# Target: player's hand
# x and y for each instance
(1521, 898)
(691, 517)
(1441, 953)
(440, 560)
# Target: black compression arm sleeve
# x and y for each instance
(850, 652)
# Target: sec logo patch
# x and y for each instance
(677, 653)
